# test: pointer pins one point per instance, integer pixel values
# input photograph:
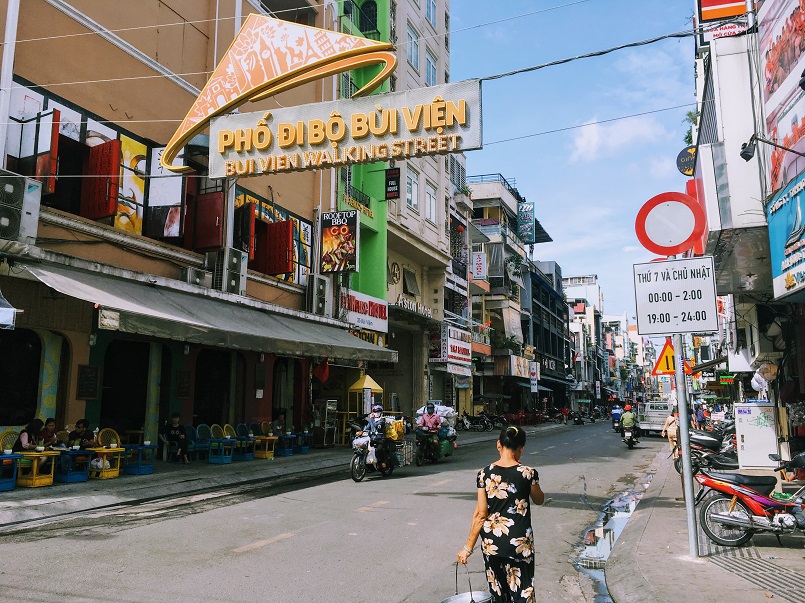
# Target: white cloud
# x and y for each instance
(631, 249)
(661, 168)
(596, 139)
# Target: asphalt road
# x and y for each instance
(382, 540)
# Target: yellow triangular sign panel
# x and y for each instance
(666, 361)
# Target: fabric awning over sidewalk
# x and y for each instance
(145, 309)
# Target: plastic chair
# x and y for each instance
(242, 431)
(196, 446)
(7, 439)
(61, 436)
(265, 427)
(108, 435)
(254, 427)
(204, 433)
(217, 431)
(230, 431)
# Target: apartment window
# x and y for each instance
(410, 286)
(348, 87)
(447, 31)
(430, 11)
(393, 83)
(412, 189)
(412, 49)
(430, 203)
(446, 77)
(430, 69)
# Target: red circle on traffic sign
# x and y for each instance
(691, 205)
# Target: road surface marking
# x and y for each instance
(379, 503)
(441, 483)
(259, 543)
(549, 447)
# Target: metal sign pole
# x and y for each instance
(684, 442)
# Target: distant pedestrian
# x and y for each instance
(174, 433)
(700, 418)
(565, 414)
(669, 429)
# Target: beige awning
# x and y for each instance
(133, 306)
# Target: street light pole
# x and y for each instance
(684, 442)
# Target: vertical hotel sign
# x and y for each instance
(525, 221)
(339, 241)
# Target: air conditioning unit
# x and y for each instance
(229, 267)
(318, 296)
(196, 276)
(19, 207)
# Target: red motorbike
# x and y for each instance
(734, 507)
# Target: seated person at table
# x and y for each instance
(82, 436)
(29, 437)
(48, 434)
(174, 434)
(278, 424)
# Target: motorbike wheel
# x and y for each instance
(420, 457)
(488, 425)
(459, 425)
(720, 533)
(387, 470)
(357, 467)
(558, 420)
(678, 464)
(630, 443)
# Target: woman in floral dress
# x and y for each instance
(502, 519)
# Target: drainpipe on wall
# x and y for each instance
(7, 73)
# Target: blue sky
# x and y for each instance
(589, 182)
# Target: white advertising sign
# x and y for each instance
(676, 296)
(365, 311)
(455, 345)
(533, 373)
(479, 265)
(411, 123)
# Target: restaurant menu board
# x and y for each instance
(339, 241)
(88, 385)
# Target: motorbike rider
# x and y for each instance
(430, 420)
(629, 419)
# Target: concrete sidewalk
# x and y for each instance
(651, 562)
(21, 506)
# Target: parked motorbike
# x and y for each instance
(629, 436)
(498, 421)
(470, 423)
(702, 458)
(370, 452)
(427, 446)
(576, 418)
(716, 440)
(734, 507)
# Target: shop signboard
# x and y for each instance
(339, 241)
(525, 222)
(717, 10)
(479, 265)
(434, 120)
(533, 373)
(783, 100)
(392, 183)
(786, 229)
(451, 345)
(365, 311)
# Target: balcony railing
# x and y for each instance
(460, 268)
(357, 195)
(364, 21)
(509, 186)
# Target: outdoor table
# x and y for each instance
(33, 478)
(139, 459)
(221, 451)
(113, 456)
(244, 449)
(73, 465)
(264, 447)
(8, 470)
(285, 445)
(303, 443)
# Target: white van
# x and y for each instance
(652, 414)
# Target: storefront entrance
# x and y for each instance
(125, 385)
(20, 357)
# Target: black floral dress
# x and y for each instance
(507, 540)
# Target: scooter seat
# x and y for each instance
(763, 483)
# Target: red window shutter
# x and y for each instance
(47, 163)
(280, 248)
(99, 190)
(208, 225)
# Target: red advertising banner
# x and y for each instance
(715, 10)
(339, 241)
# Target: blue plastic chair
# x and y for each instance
(255, 429)
(197, 446)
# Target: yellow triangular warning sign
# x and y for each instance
(666, 361)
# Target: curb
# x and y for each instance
(624, 580)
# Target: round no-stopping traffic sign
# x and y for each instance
(670, 223)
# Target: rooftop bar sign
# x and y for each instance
(426, 121)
